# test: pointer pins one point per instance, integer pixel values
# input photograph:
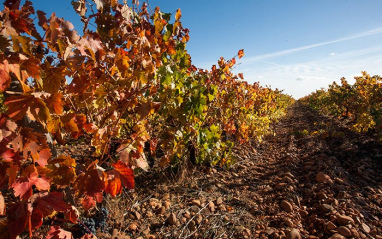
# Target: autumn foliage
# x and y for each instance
(126, 79)
(359, 103)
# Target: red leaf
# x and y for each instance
(92, 182)
(72, 215)
(18, 217)
(126, 174)
(43, 157)
(36, 218)
(23, 186)
(53, 202)
(57, 233)
(88, 202)
(12, 4)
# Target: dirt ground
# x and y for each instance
(312, 178)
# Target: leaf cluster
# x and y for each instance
(127, 83)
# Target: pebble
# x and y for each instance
(344, 231)
(211, 206)
(323, 178)
(326, 207)
(196, 202)
(344, 220)
(166, 196)
(288, 222)
(167, 204)
(132, 227)
(355, 233)
(198, 219)
(270, 231)
(137, 215)
(172, 219)
(286, 206)
(192, 226)
(293, 234)
(365, 228)
(331, 226)
(304, 213)
(161, 210)
(219, 201)
(337, 236)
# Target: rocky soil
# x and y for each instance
(313, 178)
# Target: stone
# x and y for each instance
(326, 207)
(337, 236)
(344, 231)
(191, 226)
(331, 226)
(365, 228)
(354, 233)
(211, 206)
(288, 222)
(219, 201)
(344, 220)
(304, 213)
(167, 204)
(161, 210)
(286, 206)
(323, 178)
(172, 220)
(270, 231)
(137, 215)
(196, 202)
(280, 186)
(322, 195)
(293, 234)
(198, 219)
(132, 227)
(166, 196)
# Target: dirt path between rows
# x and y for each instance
(313, 178)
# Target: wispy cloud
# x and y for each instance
(299, 78)
(298, 49)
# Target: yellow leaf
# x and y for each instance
(178, 14)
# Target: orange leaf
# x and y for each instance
(19, 106)
(240, 53)
(114, 186)
(55, 103)
(126, 174)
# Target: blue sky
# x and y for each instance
(295, 45)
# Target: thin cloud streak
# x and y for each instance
(298, 49)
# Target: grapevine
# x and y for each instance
(131, 84)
